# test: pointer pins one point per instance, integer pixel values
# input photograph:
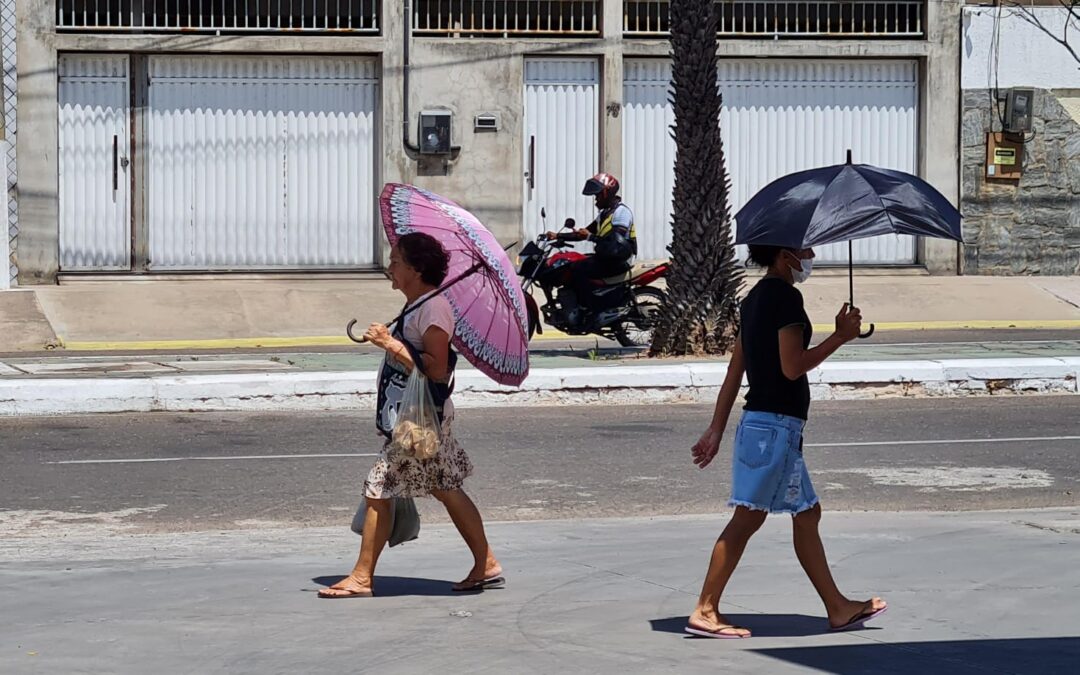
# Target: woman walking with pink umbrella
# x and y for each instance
(460, 289)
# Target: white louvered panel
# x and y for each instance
(261, 163)
(648, 154)
(95, 223)
(778, 117)
(561, 120)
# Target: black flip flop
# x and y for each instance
(478, 585)
(859, 619)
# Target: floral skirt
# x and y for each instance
(395, 474)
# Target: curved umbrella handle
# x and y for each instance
(862, 336)
(362, 340)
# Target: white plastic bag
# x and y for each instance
(417, 431)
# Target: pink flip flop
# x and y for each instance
(858, 620)
(715, 634)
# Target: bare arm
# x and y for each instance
(729, 391)
(797, 361)
(705, 449)
(436, 353)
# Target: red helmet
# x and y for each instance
(603, 186)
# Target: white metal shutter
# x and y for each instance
(261, 162)
(778, 117)
(648, 153)
(93, 181)
(561, 141)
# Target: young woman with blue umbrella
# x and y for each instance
(781, 225)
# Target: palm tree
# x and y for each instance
(700, 315)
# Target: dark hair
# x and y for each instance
(425, 254)
(764, 255)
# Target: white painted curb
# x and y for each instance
(687, 382)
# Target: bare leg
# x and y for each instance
(725, 557)
(376, 533)
(811, 554)
(470, 525)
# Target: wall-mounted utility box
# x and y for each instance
(486, 122)
(435, 132)
(1004, 157)
(1019, 105)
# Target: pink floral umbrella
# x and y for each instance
(482, 286)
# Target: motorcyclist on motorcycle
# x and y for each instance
(614, 237)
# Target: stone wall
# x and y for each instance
(1029, 226)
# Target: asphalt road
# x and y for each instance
(178, 472)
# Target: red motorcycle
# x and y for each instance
(623, 307)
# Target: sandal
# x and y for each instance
(332, 593)
(470, 584)
(718, 633)
(860, 618)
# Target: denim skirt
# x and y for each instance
(768, 471)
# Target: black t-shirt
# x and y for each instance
(771, 305)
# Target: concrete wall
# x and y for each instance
(9, 222)
(466, 77)
(39, 213)
(940, 125)
(1030, 225)
(5, 251)
(1028, 57)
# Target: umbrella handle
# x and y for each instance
(348, 331)
(868, 333)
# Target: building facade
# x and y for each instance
(162, 138)
(1028, 223)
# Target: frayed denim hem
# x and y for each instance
(732, 503)
(749, 505)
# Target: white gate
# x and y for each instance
(778, 117)
(561, 141)
(94, 149)
(261, 162)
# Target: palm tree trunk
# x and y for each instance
(701, 313)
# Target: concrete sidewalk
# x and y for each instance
(968, 593)
(347, 381)
(307, 312)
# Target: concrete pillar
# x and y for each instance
(940, 101)
(5, 251)
(39, 208)
(396, 165)
(611, 89)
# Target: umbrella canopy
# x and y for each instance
(844, 202)
(489, 306)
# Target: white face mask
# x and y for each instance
(802, 275)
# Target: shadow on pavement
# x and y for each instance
(761, 625)
(392, 587)
(1006, 655)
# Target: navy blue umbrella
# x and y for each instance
(842, 203)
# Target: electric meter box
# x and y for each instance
(435, 132)
(1019, 106)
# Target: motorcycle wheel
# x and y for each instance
(636, 330)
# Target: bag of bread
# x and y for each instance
(417, 432)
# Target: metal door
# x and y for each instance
(561, 141)
(261, 162)
(94, 151)
(778, 117)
